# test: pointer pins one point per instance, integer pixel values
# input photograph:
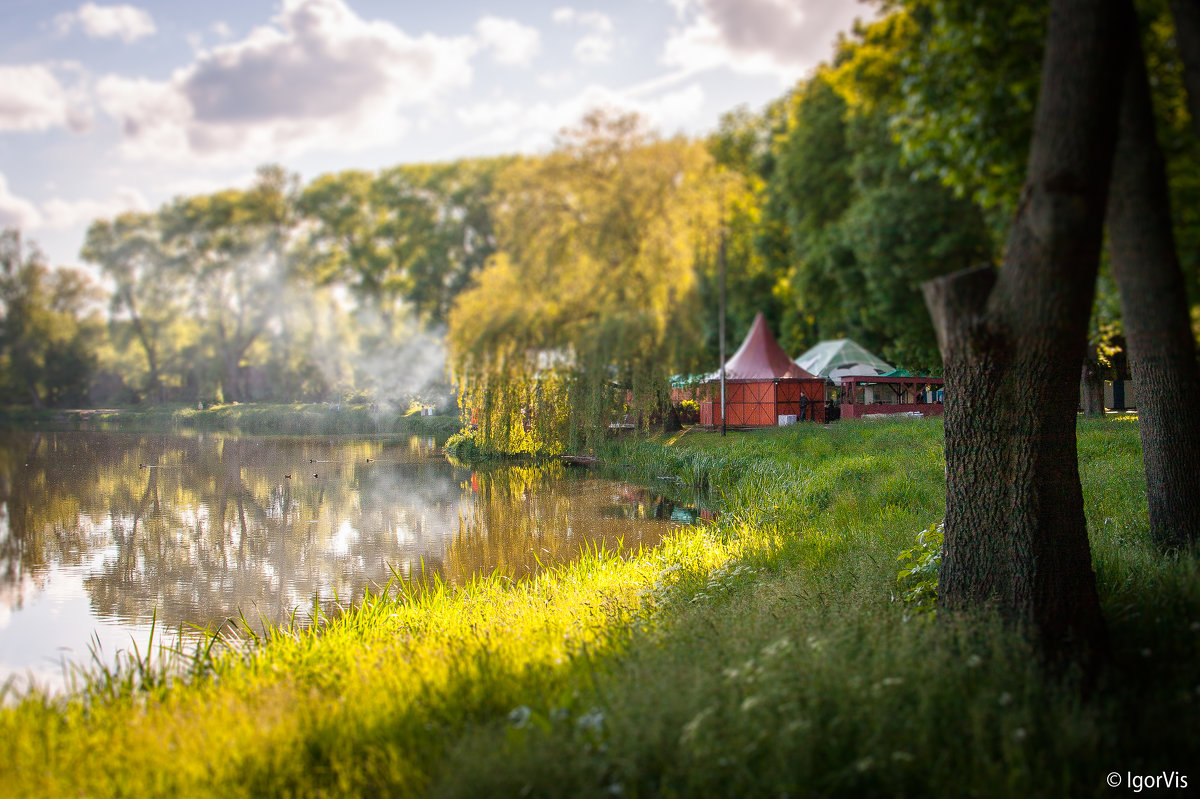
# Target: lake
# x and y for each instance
(101, 532)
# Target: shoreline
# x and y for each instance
(250, 418)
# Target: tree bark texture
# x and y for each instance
(1187, 37)
(1158, 331)
(1091, 383)
(1012, 343)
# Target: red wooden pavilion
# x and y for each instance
(761, 384)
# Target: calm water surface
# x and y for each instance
(98, 531)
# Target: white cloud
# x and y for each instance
(596, 20)
(555, 80)
(489, 113)
(510, 41)
(103, 22)
(595, 48)
(16, 211)
(597, 45)
(319, 75)
(207, 184)
(222, 29)
(786, 38)
(533, 128)
(33, 99)
(58, 213)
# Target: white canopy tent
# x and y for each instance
(840, 358)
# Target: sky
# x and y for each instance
(108, 107)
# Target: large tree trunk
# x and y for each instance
(1013, 342)
(1158, 331)
(1091, 382)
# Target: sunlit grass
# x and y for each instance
(763, 654)
(352, 705)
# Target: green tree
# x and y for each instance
(147, 297)
(740, 148)
(230, 247)
(409, 238)
(589, 300)
(48, 331)
(864, 231)
(969, 84)
(440, 228)
(1015, 536)
(971, 77)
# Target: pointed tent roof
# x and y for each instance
(760, 358)
(846, 356)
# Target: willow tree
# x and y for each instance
(589, 302)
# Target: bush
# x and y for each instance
(918, 576)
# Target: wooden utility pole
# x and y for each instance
(721, 321)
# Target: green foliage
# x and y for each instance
(242, 294)
(741, 148)
(969, 133)
(48, 333)
(864, 231)
(589, 303)
(969, 86)
(417, 233)
(918, 575)
(815, 162)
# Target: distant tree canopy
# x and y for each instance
(863, 231)
(47, 326)
(896, 161)
(286, 292)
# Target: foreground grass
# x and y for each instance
(250, 418)
(762, 655)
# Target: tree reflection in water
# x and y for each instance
(201, 528)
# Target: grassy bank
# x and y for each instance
(761, 655)
(252, 418)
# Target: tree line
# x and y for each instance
(897, 161)
(274, 292)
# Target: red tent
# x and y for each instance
(761, 384)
